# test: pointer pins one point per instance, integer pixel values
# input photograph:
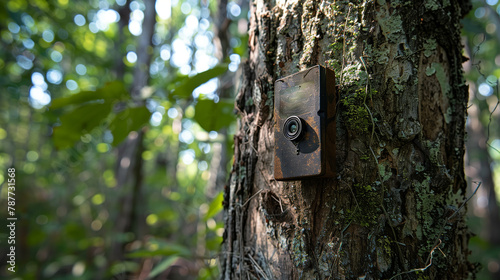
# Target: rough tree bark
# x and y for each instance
(395, 205)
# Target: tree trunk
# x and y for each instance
(479, 163)
(129, 162)
(395, 206)
(479, 168)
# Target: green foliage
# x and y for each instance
(159, 248)
(111, 92)
(88, 109)
(78, 122)
(130, 119)
(214, 116)
(214, 207)
(65, 74)
(162, 266)
(183, 86)
(123, 267)
(210, 115)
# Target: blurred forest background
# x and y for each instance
(118, 118)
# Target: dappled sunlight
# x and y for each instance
(69, 71)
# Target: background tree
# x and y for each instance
(396, 205)
(481, 37)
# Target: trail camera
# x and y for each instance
(304, 132)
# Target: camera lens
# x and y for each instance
(292, 129)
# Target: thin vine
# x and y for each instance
(495, 87)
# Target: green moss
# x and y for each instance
(358, 118)
(364, 158)
(422, 276)
(368, 199)
(335, 64)
(384, 259)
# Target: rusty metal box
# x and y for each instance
(304, 131)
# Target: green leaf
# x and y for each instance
(214, 116)
(124, 267)
(215, 206)
(214, 243)
(79, 122)
(112, 91)
(187, 84)
(162, 266)
(130, 119)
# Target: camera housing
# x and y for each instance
(304, 131)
